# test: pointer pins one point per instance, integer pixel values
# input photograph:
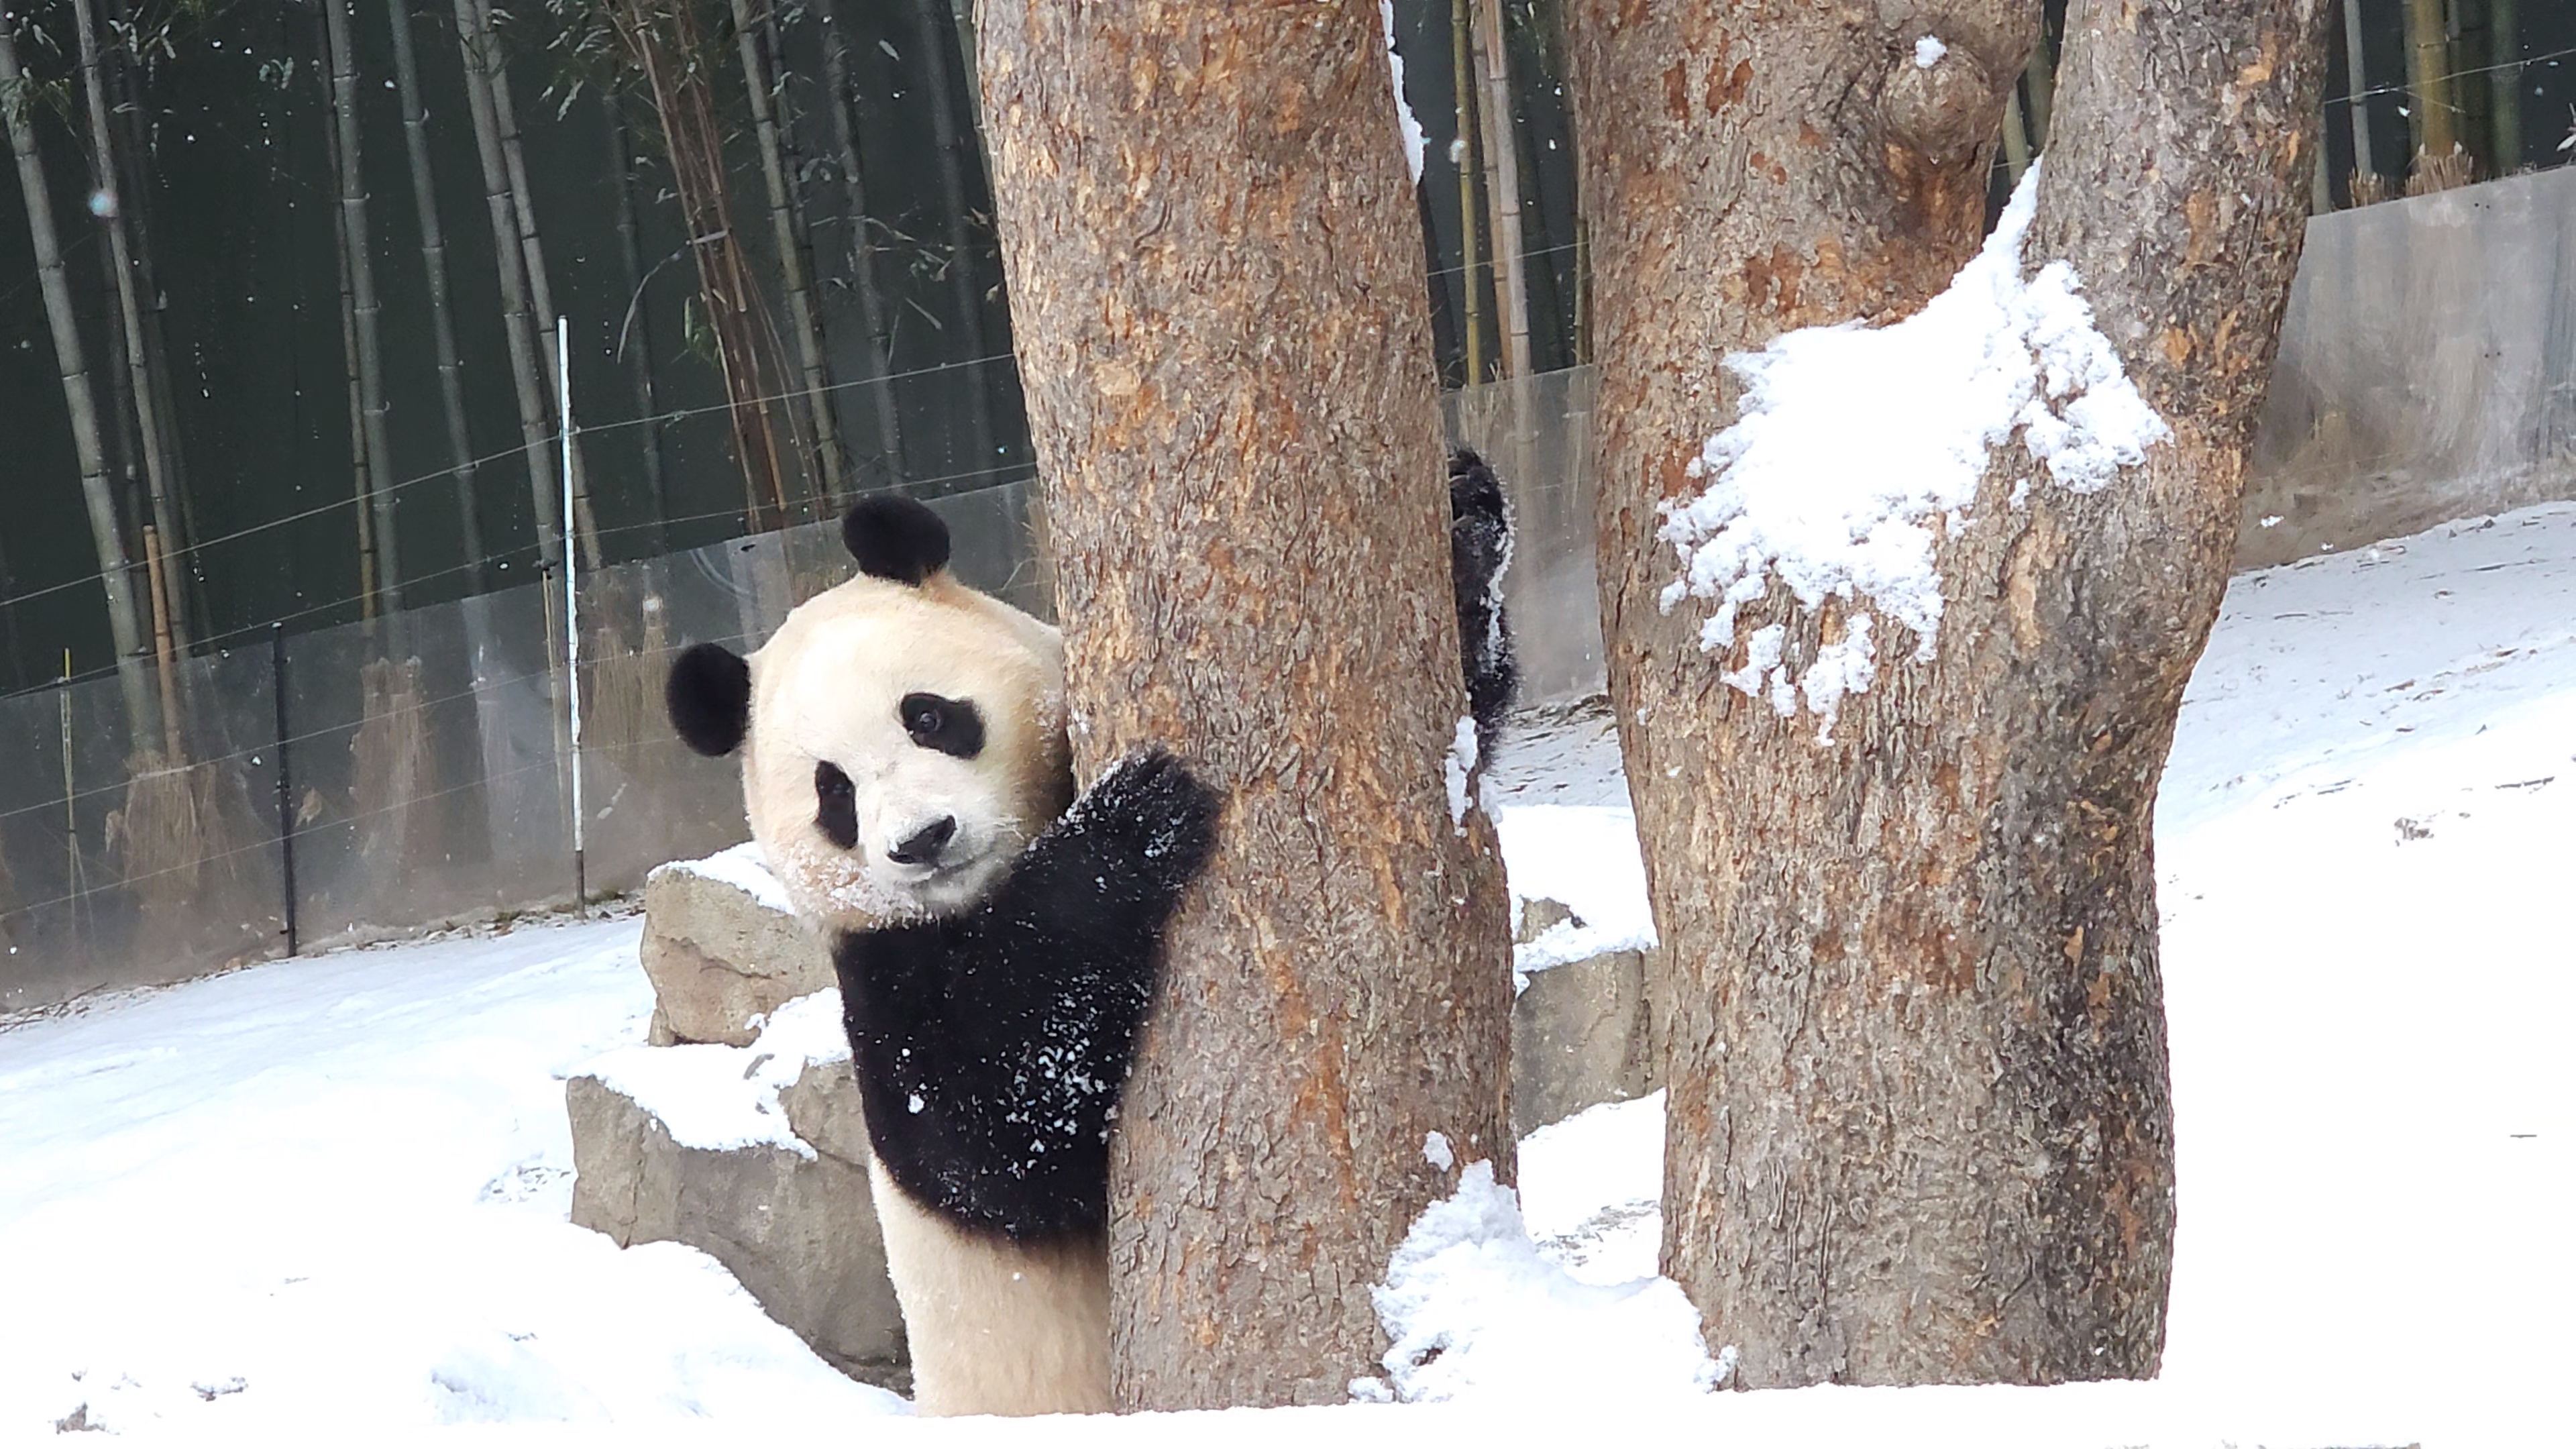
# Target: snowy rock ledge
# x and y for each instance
(723, 948)
(757, 1156)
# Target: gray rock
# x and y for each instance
(1582, 1034)
(800, 1236)
(823, 1108)
(1539, 915)
(718, 958)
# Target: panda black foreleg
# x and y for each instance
(992, 1048)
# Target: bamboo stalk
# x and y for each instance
(134, 206)
(541, 297)
(433, 262)
(639, 356)
(518, 325)
(165, 651)
(2428, 67)
(2016, 137)
(2356, 81)
(962, 12)
(2040, 86)
(963, 296)
(368, 310)
(107, 533)
(1503, 185)
(1462, 54)
(863, 252)
(2504, 82)
(150, 431)
(361, 469)
(787, 234)
(695, 142)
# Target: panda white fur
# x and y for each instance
(907, 776)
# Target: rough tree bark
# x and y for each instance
(1217, 284)
(1918, 1125)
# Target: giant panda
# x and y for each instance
(908, 777)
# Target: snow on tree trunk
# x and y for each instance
(1897, 663)
(1217, 282)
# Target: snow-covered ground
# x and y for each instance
(325, 1199)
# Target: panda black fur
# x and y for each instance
(1480, 553)
(994, 1043)
(907, 777)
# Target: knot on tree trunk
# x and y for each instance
(1946, 109)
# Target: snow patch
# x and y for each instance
(1584, 857)
(1858, 449)
(1437, 1152)
(720, 1098)
(1405, 121)
(1461, 770)
(742, 867)
(1928, 52)
(1474, 1310)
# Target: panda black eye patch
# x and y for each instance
(950, 726)
(836, 806)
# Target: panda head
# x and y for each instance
(902, 734)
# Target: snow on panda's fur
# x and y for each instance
(907, 776)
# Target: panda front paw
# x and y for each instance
(1151, 803)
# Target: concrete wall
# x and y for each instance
(2427, 369)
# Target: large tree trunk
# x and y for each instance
(80, 400)
(1217, 289)
(1918, 1123)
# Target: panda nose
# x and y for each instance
(922, 847)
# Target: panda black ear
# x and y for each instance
(896, 538)
(709, 697)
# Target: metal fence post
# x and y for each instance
(285, 781)
(572, 613)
